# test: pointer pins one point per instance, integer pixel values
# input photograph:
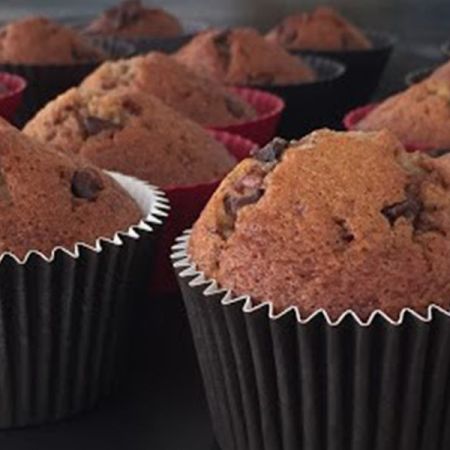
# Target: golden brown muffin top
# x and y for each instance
(201, 99)
(132, 133)
(322, 29)
(50, 199)
(241, 56)
(419, 115)
(40, 41)
(337, 220)
(131, 19)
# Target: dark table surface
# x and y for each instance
(162, 406)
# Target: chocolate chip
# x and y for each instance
(234, 107)
(345, 233)
(94, 125)
(233, 203)
(222, 44)
(86, 184)
(438, 152)
(409, 208)
(272, 151)
(132, 107)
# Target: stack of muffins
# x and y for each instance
(315, 273)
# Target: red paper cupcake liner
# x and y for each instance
(186, 203)
(269, 108)
(11, 100)
(353, 117)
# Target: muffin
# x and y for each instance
(133, 133)
(40, 41)
(50, 199)
(130, 19)
(202, 100)
(419, 115)
(442, 72)
(322, 29)
(363, 229)
(241, 56)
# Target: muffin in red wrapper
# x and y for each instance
(269, 109)
(316, 283)
(352, 118)
(11, 92)
(186, 204)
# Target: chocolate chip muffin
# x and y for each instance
(130, 19)
(322, 29)
(337, 220)
(241, 56)
(419, 115)
(132, 133)
(40, 41)
(202, 100)
(50, 199)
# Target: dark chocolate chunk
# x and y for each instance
(222, 44)
(438, 152)
(345, 233)
(233, 203)
(271, 151)
(234, 107)
(86, 184)
(409, 208)
(94, 125)
(132, 107)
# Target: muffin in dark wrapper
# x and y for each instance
(359, 362)
(74, 241)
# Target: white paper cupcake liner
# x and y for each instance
(282, 381)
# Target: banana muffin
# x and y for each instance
(131, 19)
(49, 198)
(201, 99)
(322, 29)
(335, 221)
(241, 56)
(40, 41)
(131, 133)
(419, 115)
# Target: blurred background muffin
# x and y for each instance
(130, 132)
(131, 19)
(241, 56)
(201, 99)
(321, 29)
(418, 116)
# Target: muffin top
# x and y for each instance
(337, 220)
(201, 99)
(133, 133)
(40, 41)
(241, 56)
(50, 199)
(442, 72)
(322, 29)
(130, 19)
(419, 115)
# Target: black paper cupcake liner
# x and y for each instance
(64, 319)
(313, 104)
(280, 381)
(45, 83)
(364, 67)
(418, 75)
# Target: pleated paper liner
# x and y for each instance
(186, 204)
(12, 98)
(312, 104)
(64, 318)
(364, 67)
(284, 382)
(354, 116)
(264, 127)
